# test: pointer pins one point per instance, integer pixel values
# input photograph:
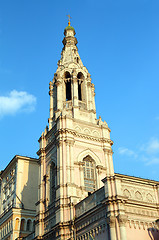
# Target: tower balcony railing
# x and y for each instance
(82, 104)
(68, 104)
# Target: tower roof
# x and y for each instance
(69, 27)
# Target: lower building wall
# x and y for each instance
(142, 234)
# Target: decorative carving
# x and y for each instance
(138, 195)
(86, 130)
(149, 197)
(122, 219)
(95, 133)
(102, 140)
(111, 221)
(108, 150)
(126, 193)
(78, 129)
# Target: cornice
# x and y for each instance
(123, 177)
(85, 136)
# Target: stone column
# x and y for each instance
(81, 164)
(93, 98)
(107, 160)
(51, 104)
(111, 221)
(58, 163)
(47, 189)
(59, 95)
(72, 162)
(68, 161)
(122, 219)
(75, 90)
(99, 180)
(89, 95)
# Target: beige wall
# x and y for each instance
(27, 183)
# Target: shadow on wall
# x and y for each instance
(153, 233)
(29, 193)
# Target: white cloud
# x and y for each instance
(127, 152)
(147, 153)
(152, 161)
(15, 102)
(152, 147)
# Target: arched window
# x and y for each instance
(68, 86)
(29, 225)
(89, 174)
(80, 81)
(52, 183)
(22, 225)
(17, 224)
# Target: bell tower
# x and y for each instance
(75, 151)
(71, 91)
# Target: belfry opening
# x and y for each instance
(68, 86)
(80, 81)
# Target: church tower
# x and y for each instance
(75, 150)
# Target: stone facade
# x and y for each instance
(18, 194)
(79, 195)
(125, 208)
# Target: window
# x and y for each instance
(68, 86)
(22, 225)
(52, 182)
(29, 225)
(80, 78)
(17, 224)
(79, 91)
(89, 174)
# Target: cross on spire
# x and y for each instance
(69, 17)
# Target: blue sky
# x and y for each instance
(118, 43)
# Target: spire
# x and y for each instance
(69, 52)
(71, 92)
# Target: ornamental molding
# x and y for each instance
(69, 142)
(88, 152)
(108, 150)
(91, 233)
(139, 193)
(122, 219)
(143, 211)
(142, 224)
(73, 132)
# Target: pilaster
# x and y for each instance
(122, 219)
(111, 221)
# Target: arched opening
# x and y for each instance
(80, 78)
(68, 86)
(22, 225)
(17, 224)
(89, 174)
(29, 226)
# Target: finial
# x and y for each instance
(69, 17)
